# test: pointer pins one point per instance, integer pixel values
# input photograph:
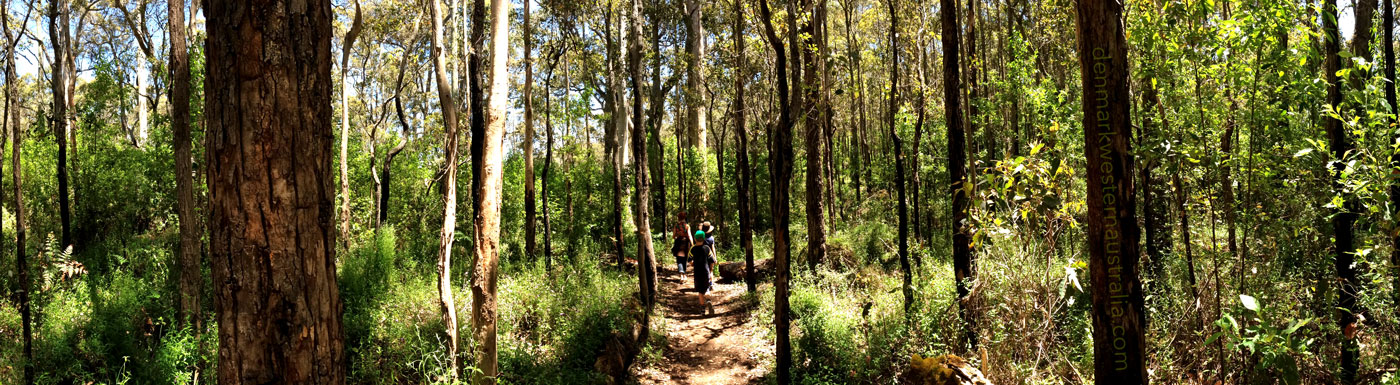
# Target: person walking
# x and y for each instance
(704, 259)
(681, 242)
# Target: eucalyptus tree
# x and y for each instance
(278, 306)
(449, 218)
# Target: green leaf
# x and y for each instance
(1302, 152)
(1249, 302)
(1296, 326)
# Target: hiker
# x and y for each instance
(681, 242)
(704, 259)
(709, 230)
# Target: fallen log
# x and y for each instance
(730, 272)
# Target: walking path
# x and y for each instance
(718, 345)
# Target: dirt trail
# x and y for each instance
(705, 346)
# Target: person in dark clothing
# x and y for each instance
(681, 242)
(704, 259)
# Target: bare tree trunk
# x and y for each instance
(903, 204)
(488, 208)
(743, 172)
(646, 256)
(446, 303)
(1345, 240)
(781, 162)
(695, 117)
(386, 182)
(477, 97)
(13, 130)
(816, 225)
(58, 21)
(190, 280)
(964, 265)
(277, 302)
(529, 141)
(614, 129)
(1119, 315)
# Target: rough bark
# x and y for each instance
(58, 38)
(270, 183)
(190, 228)
(812, 126)
(903, 204)
(646, 256)
(1118, 312)
(475, 93)
(781, 165)
(617, 108)
(744, 172)
(447, 236)
(964, 269)
(1339, 143)
(488, 207)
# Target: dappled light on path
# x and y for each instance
(720, 344)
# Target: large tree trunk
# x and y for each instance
(488, 208)
(903, 204)
(529, 140)
(646, 256)
(273, 238)
(964, 268)
(614, 130)
(345, 49)
(13, 130)
(1345, 240)
(656, 165)
(695, 74)
(781, 166)
(816, 225)
(1119, 316)
(58, 38)
(190, 228)
(447, 236)
(744, 173)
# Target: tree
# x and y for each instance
(1118, 311)
(780, 162)
(646, 256)
(477, 97)
(903, 203)
(958, 183)
(695, 116)
(1388, 31)
(449, 217)
(488, 207)
(277, 302)
(1339, 143)
(529, 140)
(345, 49)
(744, 172)
(58, 38)
(11, 121)
(190, 229)
(816, 225)
(385, 182)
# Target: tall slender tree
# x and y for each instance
(346, 48)
(273, 237)
(1118, 312)
(59, 72)
(646, 256)
(744, 174)
(488, 207)
(1388, 32)
(958, 183)
(529, 141)
(780, 162)
(903, 204)
(449, 218)
(13, 130)
(813, 122)
(190, 280)
(1340, 144)
(695, 117)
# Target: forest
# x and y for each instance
(966, 192)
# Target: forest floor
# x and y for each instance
(716, 345)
